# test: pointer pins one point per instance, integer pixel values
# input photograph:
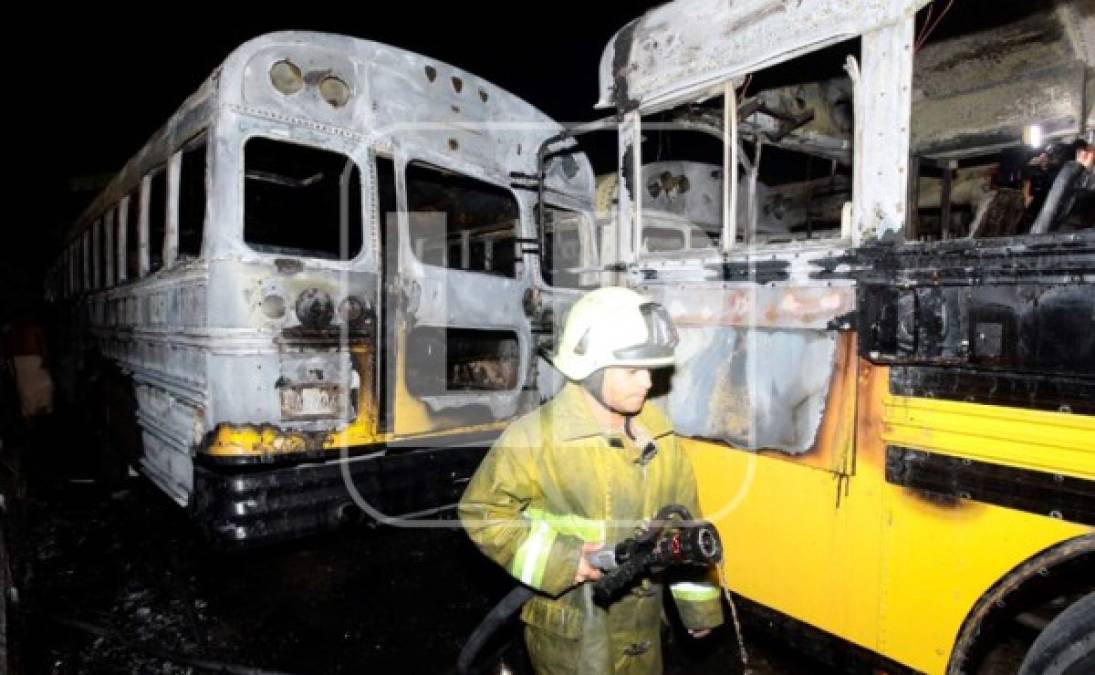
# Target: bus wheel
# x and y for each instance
(1067, 644)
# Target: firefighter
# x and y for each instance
(582, 472)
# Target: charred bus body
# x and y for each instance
(280, 298)
(889, 403)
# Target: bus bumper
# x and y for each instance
(241, 507)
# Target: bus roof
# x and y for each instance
(685, 48)
(393, 93)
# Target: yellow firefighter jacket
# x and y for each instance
(553, 481)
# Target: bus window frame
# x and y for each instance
(171, 211)
(85, 259)
(366, 199)
(72, 270)
(433, 163)
(97, 254)
(749, 244)
(174, 195)
(590, 229)
(121, 222)
(108, 247)
(146, 217)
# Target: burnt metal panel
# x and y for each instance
(1028, 328)
(752, 387)
(756, 271)
(1055, 495)
(966, 123)
(1017, 305)
(1020, 390)
(680, 48)
(757, 361)
(977, 90)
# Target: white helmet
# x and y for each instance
(614, 326)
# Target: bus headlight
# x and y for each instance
(286, 77)
(334, 91)
(315, 309)
(351, 311)
(273, 306)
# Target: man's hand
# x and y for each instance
(587, 572)
(699, 633)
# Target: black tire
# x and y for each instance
(1066, 646)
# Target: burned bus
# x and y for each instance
(306, 295)
(890, 400)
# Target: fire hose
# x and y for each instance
(671, 539)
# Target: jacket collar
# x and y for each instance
(575, 420)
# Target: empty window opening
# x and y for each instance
(301, 201)
(461, 223)
(561, 248)
(451, 360)
(132, 235)
(191, 201)
(157, 219)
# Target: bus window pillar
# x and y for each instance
(883, 101)
(729, 165)
(142, 226)
(97, 254)
(123, 236)
(108, 248)
(171, 231)
(86, 255)
(629, 220)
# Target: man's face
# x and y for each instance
(1086, 156)
(625, 389)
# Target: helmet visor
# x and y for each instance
(661, 336)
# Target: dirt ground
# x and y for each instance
(116, 580)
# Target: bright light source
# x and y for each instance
(1032, 136)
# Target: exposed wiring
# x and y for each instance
(745, 85)
(927, 20)
(929, 29)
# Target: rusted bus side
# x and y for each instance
(811, 421)
(833, 445)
